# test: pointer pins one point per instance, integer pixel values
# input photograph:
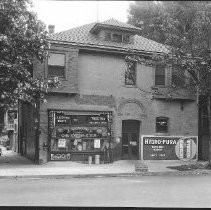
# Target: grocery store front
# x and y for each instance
(78, 135)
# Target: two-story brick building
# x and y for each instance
(99, 103)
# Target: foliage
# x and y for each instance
(23, 39)
(186, 27)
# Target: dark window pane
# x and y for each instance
(178, 76)
(160, 75)
(130, 74)
(108, 36)
(126, 39)
(161, 125)
(56, 71)
(117, 38)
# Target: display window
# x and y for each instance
(71, 133)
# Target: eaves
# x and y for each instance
(105, 48)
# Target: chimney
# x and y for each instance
(51, 29)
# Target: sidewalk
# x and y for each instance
(13, 165)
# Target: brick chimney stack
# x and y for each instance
(51, 29)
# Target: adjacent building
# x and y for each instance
(99, 104)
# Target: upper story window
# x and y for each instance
(130, 74)
(178, 76)
(56, 65)
(117, 37)
(160, 75)
(161, 124)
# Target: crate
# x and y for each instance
(140, 167)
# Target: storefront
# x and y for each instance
(78, 135)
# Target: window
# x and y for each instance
(56, 65)
(160, 75)
(107, 36)
(126, 39)
(117, 38)
(130, 74)
(178, 76)
(161, 124)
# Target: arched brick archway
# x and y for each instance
(131, 108)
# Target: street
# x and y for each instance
(142, 191)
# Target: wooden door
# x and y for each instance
(130, 139)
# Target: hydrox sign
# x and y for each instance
(169, 147)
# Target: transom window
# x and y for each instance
(130, 74)
(160, 75)
(56, 65)
(161, 124)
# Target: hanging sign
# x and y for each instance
(169, 147)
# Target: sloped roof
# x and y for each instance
(115, 23)
(82, 36)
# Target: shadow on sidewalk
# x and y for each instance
(11, 159)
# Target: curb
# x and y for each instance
(135, 174)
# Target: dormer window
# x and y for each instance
(117, 37)
(126, 39)
(107, 36)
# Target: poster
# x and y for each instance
(96, 143)
(169, 147)
(62, 143)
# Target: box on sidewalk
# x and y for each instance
(141, 167)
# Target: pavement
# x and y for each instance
(12, 165)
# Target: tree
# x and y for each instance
(185, 28)
(23, 39)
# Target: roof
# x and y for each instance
(83, 37)
(112, 23)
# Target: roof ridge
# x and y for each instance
(82, 26)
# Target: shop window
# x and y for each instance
(77, 134)
(160, 75)
(56, 65)
(161, 124)
(130, 74)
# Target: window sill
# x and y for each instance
(162, 134)
(130, 86)
(60, 78)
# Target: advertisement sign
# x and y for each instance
(61, 119)
(62, 143)
(97, 143)
(60, 156)
(169, 147)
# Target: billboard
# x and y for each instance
(169, 147)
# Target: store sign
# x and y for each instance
(169, 148)
(60, 118)
(60, 156)
(98, 119)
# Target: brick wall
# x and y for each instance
(99, 81)
(69, 84)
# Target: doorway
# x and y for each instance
(130, 139)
